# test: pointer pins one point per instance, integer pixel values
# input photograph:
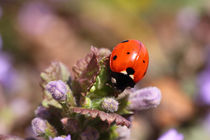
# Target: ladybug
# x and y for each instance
(128, 63)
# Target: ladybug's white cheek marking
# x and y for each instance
(131, 76)
(124, 72)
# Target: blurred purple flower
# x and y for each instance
(58, 90)
(7, 73)
(145, 98)
(204, 88)
(171, 134)
(203, 82)
(34, 17)
(62, 138)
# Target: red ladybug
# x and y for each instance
(128, 63)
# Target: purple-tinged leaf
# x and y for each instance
(108, 117)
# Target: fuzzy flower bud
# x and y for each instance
(145, 98)
(62, 138)
(110, 104)
(39, 126)
(58, 90)
(171, 134)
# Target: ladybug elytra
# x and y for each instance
(128, 63)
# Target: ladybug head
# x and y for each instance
(121, 80)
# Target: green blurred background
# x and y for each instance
(176, 33)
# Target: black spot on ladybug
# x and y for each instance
(130, 71)
(124, 41)
(128, 52)
(115, 57)
(144, 72)
(143, 61)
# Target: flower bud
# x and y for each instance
(58, 90)
(110, 104)
(145, 98)
(62, 138)
(39, 126)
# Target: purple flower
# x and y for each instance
(204, 87)
(171, 134)
(39, 126)
(5, 66)
(62, 138)
(58, 90)
(110, 104)
(7, 73)
(203, 82)
(145, 98)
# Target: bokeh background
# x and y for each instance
(176, 33)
